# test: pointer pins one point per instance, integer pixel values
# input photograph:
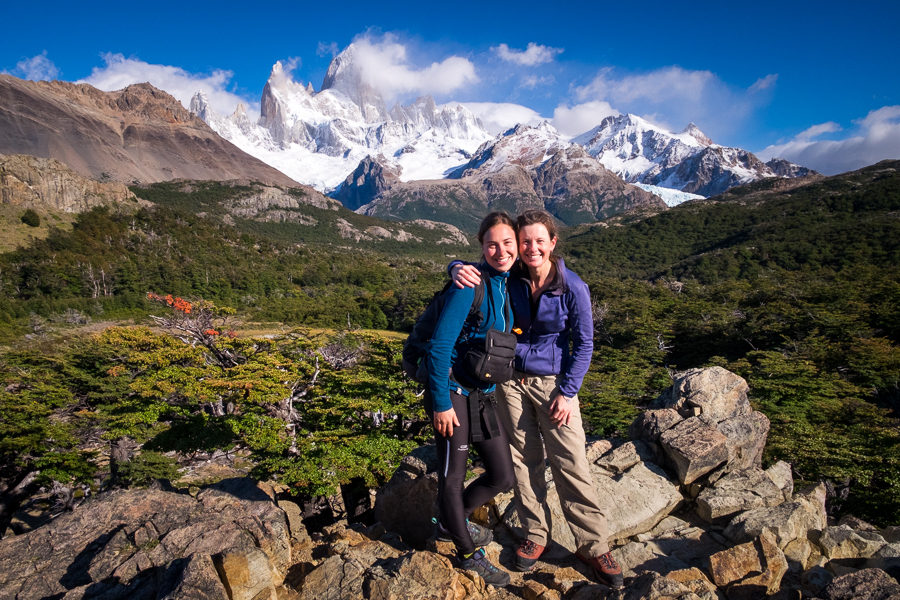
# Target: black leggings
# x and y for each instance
(456, 503)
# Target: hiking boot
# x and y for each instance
(481, 536)
(527, 554)
(606, 569)
(477, 562)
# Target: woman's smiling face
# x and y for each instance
(535, 245)
(499, 247)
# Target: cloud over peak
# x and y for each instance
(36, 68)
(120, 72)
(384, 64)
(877, 137)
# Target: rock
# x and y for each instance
(533, 590)
(857, 524)
(717, 392)
(636, 500)
(653, 586)
(407, 501)
(891, 534)
(842, 542)
(747, 434)
(798, 552)
(696, 581)
(334, 579)
(597, 448)
(780, 473)
(663, 550)
(247, 574)
(868, 584)
(47, 184)
(694, 448)
(416, 575)
(301, 544)
(815, 580)
(737, 492)
(112, 540)
(650, 424)
(754, 568)
(788, 521)
(622, 458)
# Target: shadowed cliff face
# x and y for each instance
(139, 133)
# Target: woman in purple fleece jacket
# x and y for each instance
(552, 312)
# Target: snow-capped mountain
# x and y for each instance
(525, 167)
(319, 137)
(641, 152)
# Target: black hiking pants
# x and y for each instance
(456, 501)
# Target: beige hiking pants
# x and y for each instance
(524, 410)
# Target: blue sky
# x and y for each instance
(814, 82)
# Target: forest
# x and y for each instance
(145, 325)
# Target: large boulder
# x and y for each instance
(703, 421)
(231, 537)
(694, 448)
(841, 541)
(788, 521)
(408, 501)
(738, 491)
(750, 570)
(715, 394)
(871, 584)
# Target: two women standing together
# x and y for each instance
(549, 308)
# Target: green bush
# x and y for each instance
(146, 467)
(31, 218)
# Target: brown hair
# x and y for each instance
(495, 218)
(538, 217)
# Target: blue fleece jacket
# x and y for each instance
(557, 328)
(452, 335)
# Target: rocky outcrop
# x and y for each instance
(238, 539)
(231, 540)
(138, 133)
(47, 184)
(370, 178)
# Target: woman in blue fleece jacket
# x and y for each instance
(554, 325)
(455, 400)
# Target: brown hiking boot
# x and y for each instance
(606, 569)
(527, 554)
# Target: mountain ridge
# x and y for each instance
(139, 133)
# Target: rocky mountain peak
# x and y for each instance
(694, 131)
(345, 76)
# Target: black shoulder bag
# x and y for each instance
(494, 362)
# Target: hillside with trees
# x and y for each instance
(796, 290)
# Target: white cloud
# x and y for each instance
(876, 138)
(36, 68)
(673, 97)
(534, 54)
(384, 64)
(764, 83)
(575, 120)
(120, 72)
(817, 130)
(330, 49)
(497, 117)
(532, 81)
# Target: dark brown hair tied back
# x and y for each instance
(495, 218)
(535, 217)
